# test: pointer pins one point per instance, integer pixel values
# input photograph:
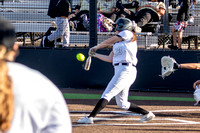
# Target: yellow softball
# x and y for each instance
(80, 57)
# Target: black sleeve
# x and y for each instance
(184, 11)
(120, 37)
(119, 5)
(186, 6)
(134, 4)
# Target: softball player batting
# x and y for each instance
(123, 57)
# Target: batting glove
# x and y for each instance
(92, 51)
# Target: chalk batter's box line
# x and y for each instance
(134, 114)
(114, 113)
(142, 124)
(178, 122)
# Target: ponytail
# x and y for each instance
(7, 40)
(6, 97)
(134, 37)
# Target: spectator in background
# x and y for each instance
(74, 18)
(2, 2)
(108, 8)
(59, 10)
(146, 12)
(181, 24)
(25, 105)
(84, 7)
(126, 8)
(51, 30)
(191, 19)
(126, 4)
(104, 24)
(82, 10)
(83, 15)
(179, 4)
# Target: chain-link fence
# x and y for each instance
(31, 21)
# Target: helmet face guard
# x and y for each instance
(124, 24)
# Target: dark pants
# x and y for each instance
(79, 19)
(145, 16)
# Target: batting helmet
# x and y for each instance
(124, 24)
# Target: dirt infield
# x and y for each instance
(175, 114)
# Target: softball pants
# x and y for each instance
(118, 87)
(63, 30)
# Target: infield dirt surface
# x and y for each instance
(174, 113)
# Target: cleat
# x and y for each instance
(86, 120)
(46, 42)
(147, 117)
(172, 47)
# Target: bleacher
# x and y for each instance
(31, 22)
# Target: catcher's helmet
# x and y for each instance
(124, 24)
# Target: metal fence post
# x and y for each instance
(93, 23)
(166, 18)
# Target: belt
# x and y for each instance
(124, 64)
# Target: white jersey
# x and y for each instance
(39, 107)
(125, 51)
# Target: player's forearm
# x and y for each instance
(190, 66)
(105, 58)
(109, 42)
(104, 44)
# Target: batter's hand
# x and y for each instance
(195, 84)
(92, 51)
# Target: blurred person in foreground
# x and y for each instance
(29, 101)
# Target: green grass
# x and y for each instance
(97, 96)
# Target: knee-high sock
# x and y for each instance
(137, 109)
(99, 106)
